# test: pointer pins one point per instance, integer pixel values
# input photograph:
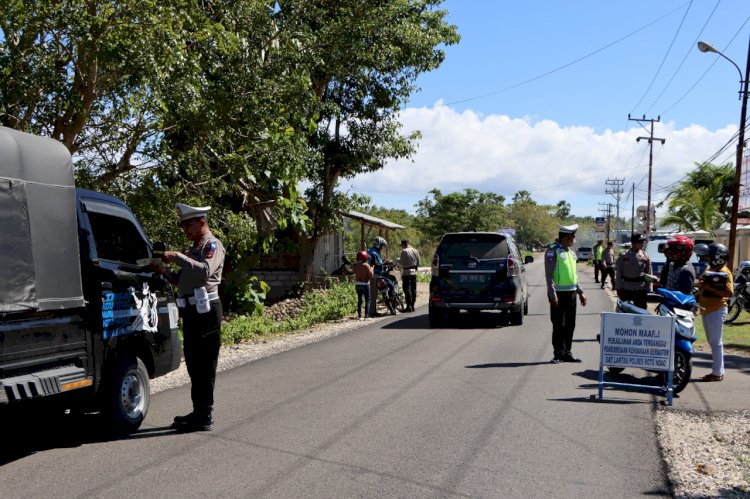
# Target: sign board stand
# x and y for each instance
(637, 341)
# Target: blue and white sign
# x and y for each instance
(636, 341)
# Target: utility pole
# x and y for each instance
(651, 140)
(632, 212)
(616, 191)
(606, 211)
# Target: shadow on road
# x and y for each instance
(463, 320)
(45, 429)
(738, 363)
(508, 364)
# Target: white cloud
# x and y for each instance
(501, 154)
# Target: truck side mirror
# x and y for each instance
(528, 259)
(661, 247)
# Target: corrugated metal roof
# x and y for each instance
(369, 219)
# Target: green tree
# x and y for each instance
(533, 223)
(521, 196)
(563, 210)
(363, 59)
(703, 199)
(461, 211)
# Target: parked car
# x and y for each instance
(478, 271)
(584, 254)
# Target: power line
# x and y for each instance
(690, 50)
(705, 72)
(570, 63)
(669, 49)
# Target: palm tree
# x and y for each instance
(696, 207)
(703, 199)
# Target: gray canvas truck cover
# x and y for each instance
(40, 267)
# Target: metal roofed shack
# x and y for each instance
(385, 227)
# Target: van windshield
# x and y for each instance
(479, 246)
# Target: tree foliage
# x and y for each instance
(702, 201)
(232, 103)
(461, 211)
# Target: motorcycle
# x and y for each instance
(682, 307)
(740, 299)
(345, 268)
(389, 289)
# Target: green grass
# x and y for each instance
(736, 335)
(337, 302)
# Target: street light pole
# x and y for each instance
(705, 47)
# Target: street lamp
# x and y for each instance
(705, 47)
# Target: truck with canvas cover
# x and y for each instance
(84, 321)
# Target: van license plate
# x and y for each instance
(472, 277)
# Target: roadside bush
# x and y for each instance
(336, 302)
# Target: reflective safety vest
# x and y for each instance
(565, 276)
(598, 252)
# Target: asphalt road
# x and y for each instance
(394, 409)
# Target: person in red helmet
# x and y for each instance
(363, 274)
(678, 273)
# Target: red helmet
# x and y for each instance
(362, 256)
(679, 248)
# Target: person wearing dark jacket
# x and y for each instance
(678, 273)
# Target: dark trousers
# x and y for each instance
(637, 297)
(563, 318)
(363, 294)
(597, 268)
(201, 341)
(608, 271)
(410, 289)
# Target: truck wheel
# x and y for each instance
(129, 395)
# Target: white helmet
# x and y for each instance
(379, 242)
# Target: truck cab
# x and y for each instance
(83, 318)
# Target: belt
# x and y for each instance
(633, 279)
(183, 301)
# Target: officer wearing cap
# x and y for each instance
(562, 287)
(631, 267)
(197, 281)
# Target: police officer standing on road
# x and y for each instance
(197, 283)
(608, 265)
(562, 287)
(631, 267)
(598, 251)
(409, 261)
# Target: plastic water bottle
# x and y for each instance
(202, 303)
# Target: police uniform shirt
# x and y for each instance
(201, 265)
(550, 263)
(409, 261)
(632, 265)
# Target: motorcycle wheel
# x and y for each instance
(389, 304)
(733, 312)
(399, 304)
(683, 368)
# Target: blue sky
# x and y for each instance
(536, 97)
